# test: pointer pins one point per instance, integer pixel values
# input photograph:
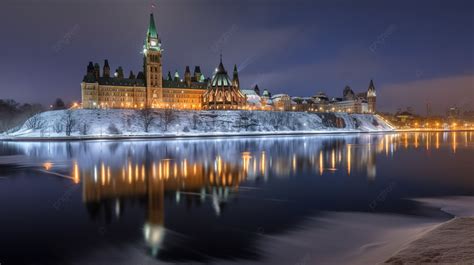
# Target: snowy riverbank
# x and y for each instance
(446, 243)
(118, 124)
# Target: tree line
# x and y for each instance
(13, 114)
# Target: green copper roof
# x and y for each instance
(152, 42)
(151, 33)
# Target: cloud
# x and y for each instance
(440, 92)
(353, 65)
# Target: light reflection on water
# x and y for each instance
(234, 174)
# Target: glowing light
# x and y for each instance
(75, 174)
(454, 142)
(102, 174)
(321, 169)
(333, 159)
(437, 140)
(47, 165)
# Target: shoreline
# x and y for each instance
(185, 136)
(446, 243)
(207, 136)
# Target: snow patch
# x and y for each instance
(121, 122)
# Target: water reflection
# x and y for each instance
(212, 172)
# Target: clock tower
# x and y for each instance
(152, 66)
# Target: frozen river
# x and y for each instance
(270, 200)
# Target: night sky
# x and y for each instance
(416, 51)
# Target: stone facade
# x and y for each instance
(223, 93)
(148, 89)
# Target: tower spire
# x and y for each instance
(151, 33)
(152, 41)
(235, 79)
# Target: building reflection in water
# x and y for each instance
(214, 171)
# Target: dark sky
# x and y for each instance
(416, 51)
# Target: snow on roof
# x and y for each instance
(249, 92)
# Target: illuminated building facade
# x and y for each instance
(350, 102)
(147, 89)
(224, 93)
(150, 89)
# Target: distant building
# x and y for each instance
(453, 113)
(282, 102)
(254, 101)
(350, 102)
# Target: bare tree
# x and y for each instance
(58, 126)
(146, 117)
(35, 122)
(84, 128)
(112, 129)
(276, 118)
(246, 119)
(14, 114)
(168, 117)
(194, 120)
(69, 123)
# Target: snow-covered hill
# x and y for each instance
(115, 122)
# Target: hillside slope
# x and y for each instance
(118, 122)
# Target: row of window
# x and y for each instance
(121, 99)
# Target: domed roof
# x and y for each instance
(221, 78)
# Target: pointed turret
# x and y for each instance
(371, 90)
(90, 68)
(169, 76)
(187, 76)
(235, 79)
(256, 89)
(220, 69)
(96, 71)
(176, 76)
(106, 69)
(197, 74)
(371, 97)
(131, 75)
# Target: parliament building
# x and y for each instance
(149, 89)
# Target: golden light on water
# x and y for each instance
(454, 144)
(351, 158)
(75, 172)
(294, 162)
(333, 159)
(47, 165)
(321, 166)
(437, 140)
(102, 173)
